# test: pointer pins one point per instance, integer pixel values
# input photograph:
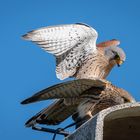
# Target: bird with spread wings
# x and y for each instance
(76, 52)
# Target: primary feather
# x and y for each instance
(69, 43)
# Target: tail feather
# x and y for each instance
(52, 115)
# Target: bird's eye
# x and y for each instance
(117, 56)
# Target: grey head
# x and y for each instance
(116, 54)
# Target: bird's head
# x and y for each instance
(115, 54)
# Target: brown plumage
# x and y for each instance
(76, 52)
(80, 99)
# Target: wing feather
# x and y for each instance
(65, 41)
(71, 89)
(61, 35)
(52, 115)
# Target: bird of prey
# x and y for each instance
(76, 52)
(81, 99)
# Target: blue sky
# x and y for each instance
(26, 69)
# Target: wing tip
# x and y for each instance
(31, 122)
(24, 102)
(29, 100)
(26, 37)
(80, 23)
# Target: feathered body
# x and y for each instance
(74, 46)
(79, 98)
(77, 55)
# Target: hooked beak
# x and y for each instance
(119, 62)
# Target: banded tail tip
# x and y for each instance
(28, 124)
(31, 122)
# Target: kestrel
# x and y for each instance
(76, 52)
(80, 99)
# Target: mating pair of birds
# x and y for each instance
(77, 55)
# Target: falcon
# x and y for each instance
(76, 52)
(81, 99)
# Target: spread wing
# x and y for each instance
(71, 89)
(52, 115)
(70, 44)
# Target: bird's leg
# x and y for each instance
(81, 121)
